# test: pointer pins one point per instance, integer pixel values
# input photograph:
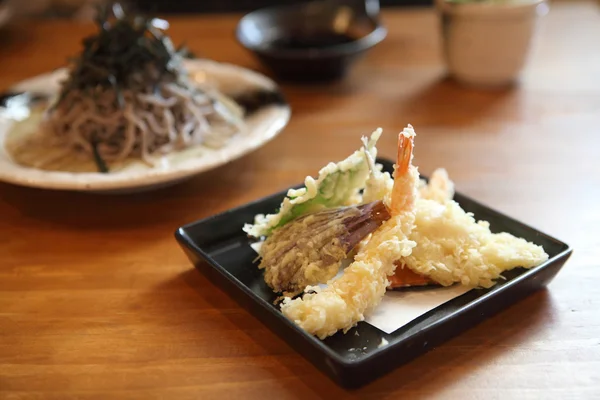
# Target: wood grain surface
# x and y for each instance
(97, 301)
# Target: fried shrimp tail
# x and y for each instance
(403, 194)
(347, 299)
(404, 277)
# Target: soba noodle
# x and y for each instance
(150, 109)
(168, 119)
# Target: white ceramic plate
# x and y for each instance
(262, 126)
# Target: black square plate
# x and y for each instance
(220, 249)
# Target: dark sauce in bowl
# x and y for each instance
(311, 41)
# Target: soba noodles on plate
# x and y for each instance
(127, 95)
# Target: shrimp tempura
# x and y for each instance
(346, 300)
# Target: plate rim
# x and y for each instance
(13, 173)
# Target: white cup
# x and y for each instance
(486, 43)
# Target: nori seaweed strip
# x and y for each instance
(100, 163)
(123, 46)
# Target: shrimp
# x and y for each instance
(347, 299)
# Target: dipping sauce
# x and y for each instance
(317, 40)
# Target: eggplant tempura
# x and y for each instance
(310, 249)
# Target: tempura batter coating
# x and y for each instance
(453, 247)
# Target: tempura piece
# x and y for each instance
(309, 250)
(346, 300)
(379, 184)
(453, 247)
(440, 187)
(338, 185)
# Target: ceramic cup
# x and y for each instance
(486, 43)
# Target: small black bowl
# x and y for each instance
(315, 41)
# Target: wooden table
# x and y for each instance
(97, 301)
